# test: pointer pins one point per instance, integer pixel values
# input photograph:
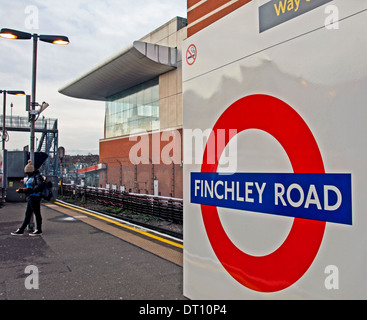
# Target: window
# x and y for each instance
(134, 109)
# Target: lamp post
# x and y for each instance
(3, 136)
(20, 35)
(4, 92)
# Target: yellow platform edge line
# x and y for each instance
(122, 225)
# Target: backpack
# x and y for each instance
(46, 192)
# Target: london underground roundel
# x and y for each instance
(288, 263)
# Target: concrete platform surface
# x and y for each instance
(80, 257)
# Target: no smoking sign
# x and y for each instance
(191, 54)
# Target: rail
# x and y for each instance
(166, 208)
(17, 123)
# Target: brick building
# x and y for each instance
(142, 87)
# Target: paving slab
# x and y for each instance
(76, 260)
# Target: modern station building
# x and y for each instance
(142, 86)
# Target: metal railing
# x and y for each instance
(17, 123)
(166, 208)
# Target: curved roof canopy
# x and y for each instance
(135, 64)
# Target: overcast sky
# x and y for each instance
(96, 29)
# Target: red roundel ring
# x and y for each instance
(287, 264)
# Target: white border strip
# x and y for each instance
(210, 13)
(196, 5)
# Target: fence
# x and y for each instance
(161, 207)
(17, 123)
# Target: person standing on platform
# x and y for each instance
(34, 186)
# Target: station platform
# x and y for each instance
(84, 256)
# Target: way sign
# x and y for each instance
(291, 260)
(191, 54)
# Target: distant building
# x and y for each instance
(74, 168)
(142, 87)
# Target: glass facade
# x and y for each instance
(134, 110)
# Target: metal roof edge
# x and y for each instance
(137, 54)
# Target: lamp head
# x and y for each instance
(13, 92)
(63, 40)
(14, 34)
(16, 92)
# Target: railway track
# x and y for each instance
(162, 214)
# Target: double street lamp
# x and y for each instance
(20, 35)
